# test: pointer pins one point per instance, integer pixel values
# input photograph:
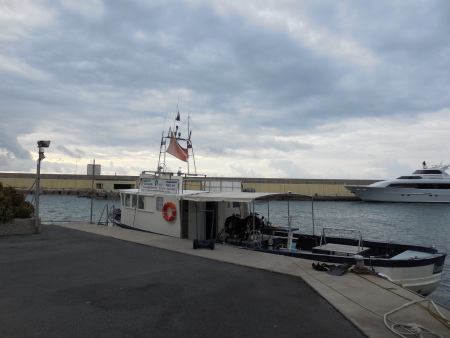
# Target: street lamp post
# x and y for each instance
(41, 144)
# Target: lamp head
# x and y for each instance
(43, 144)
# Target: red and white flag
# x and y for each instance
(176, 150)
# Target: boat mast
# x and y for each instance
(161, 151)
(189, 146)
(178, 138)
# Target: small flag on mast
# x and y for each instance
(178, 116)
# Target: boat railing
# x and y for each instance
(357, 235)
(290, 236)
(109, 213)
(254, 239)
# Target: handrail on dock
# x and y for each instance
(109, 210)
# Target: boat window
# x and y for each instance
(434, 186)
(159, 203)
(127, 200)
(421, 185)
(141, 204)
(133, 201)
(429, 172)
(403, 185)
(427, 186)
(409, 177)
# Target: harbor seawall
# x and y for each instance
(107, 186)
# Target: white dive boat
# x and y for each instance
(426, 185)
(210, 211)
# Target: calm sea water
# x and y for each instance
(422, 224)
(66, 208)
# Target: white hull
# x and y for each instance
(143, 210)
(386, 194)
(148, 218)
(418, 279)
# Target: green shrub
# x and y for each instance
(13, 204)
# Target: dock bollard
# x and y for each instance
(359, 261)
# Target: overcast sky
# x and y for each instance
(288, 88)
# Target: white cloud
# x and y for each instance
(18, 18)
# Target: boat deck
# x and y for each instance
(338, 249)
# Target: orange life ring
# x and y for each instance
(173, 211)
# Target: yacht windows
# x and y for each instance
(141, 204)
(133, 201)
(421, 185)
(409, 178)
(159, 203)
(429, 172)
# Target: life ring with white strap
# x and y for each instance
(169, 216)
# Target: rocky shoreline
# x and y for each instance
(85, 193)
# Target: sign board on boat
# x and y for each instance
(159, 185)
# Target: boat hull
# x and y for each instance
(416, 268)
(421, 279)
(417, 278)
(404, 195)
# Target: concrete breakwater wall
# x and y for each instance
(107, 186)
(70, 182)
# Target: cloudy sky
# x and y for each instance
(289, 88)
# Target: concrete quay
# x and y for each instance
(80, 279)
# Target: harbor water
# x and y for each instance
(422, 224)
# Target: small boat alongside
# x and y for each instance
(217, 211)
(426, 185)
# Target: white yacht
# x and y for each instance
(426, 185)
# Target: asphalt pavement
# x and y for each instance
(69, 283)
